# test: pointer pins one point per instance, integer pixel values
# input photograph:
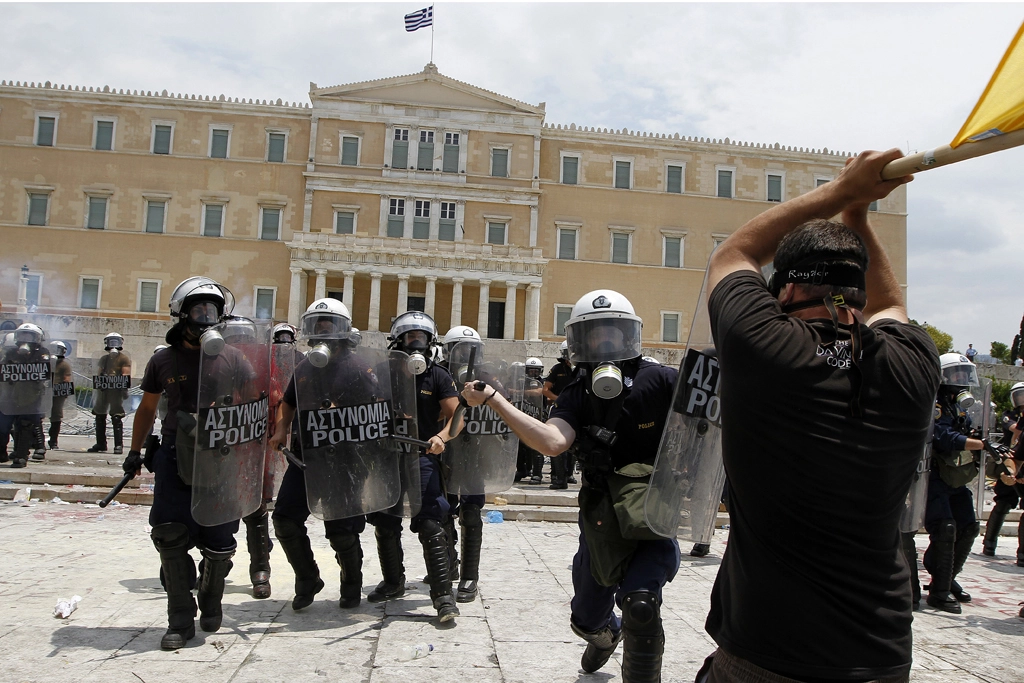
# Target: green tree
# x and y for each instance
(1001, 395)
(1000, 352)
(943, 341)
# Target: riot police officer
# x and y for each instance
(615, 409)
(196, 304)
(62, 382)
(26, 390)
(1008, 493)
(113, 363)
(414, 332)
(561, 373)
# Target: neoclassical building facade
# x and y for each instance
(416, 191)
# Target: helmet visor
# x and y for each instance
(239, 331)
(203, 313)
(27, 337)
(962, 375)
(114, 342)
(413, 321)
(1017, 397)
(321, 325)
(598, 340)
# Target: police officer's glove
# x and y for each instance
(133, 462)
(996, 449)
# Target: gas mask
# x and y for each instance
(24, 349)
(606, 380)
(211, 342)
(417, 363)
(114, 351)
(319, 355)
(965, 399)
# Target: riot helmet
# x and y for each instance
(9, 344)
(534, 368)
(414, 332)
(563, 350)
(113, 341)
(200, 302)
(1017, 395)
(958, 372)
(283, 333)
(28, 338)
(603, 327)
(160, 347)
(59, 349)
(460, 334)
(326, 326)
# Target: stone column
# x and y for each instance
(429, 294)
(373, 324)
(510, 309)
(307, 211)
(403, 294)
(485, 299)
(533, 225)
(348, 293)
(321, 283)
(533, 312)
(457, 300)
(294, 294)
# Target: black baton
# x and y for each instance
(410, 440)
(291, 457)
(117, 489)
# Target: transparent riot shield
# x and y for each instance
(917, 497)
(346, 414)
(982, 422)
(403, 394)
(482, 457)
(231, 430)
(26, 383)
(111, 380)
(283, 358)
(686, 486)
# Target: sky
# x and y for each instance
(842, 76)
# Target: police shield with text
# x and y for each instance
(197, 305)
(110, 384)
(63, 386)
(616, 409)
(1008, 492)
(26, 392)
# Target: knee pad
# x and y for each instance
(218, 555)
(344, 540)
(942, 530)
(169, 535)
(641, 613)
(470, 518)
(428, 528)
(971, 531)
(285, 528)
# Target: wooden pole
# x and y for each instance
(945, 155)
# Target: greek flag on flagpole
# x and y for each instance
(420, 19)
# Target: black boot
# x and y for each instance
(909, 548)
(117, 425)
(558, 473)
(176, 568)
(1020, 543)
(22, 442)
(257, 538)
(435, 556)
(350, 559)
(938, 560)
(215, 566)
(993, 526)
(101, 435)
(570, 466)
(295, 543)
(538, 468)
(453, 548)
(644, 638)
(472, 537)
(38, 440)
(53, 433)
(700, 550)
(600, 646)
(392, 566)
(961, 550)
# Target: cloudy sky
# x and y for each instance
(841, 76)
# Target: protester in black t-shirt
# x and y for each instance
(813, 586)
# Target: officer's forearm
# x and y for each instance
(881, 286)
(544, 438)
(145, 415)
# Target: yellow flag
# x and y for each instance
(1001, 107)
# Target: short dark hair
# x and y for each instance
(824, 240)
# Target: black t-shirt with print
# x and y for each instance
(432, 386)
(813, 584)
(647, 388)
(560, 375)
(182, 390)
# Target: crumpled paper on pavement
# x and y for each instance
(64, 608)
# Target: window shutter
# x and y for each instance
(46, 126)
(670, 327)
(672, 245)
(675, 179)
(567, 244)
(725, 184)
(219, 145)
(499, 163)
(214, 217)
(147, 297)
(622, 175)
(450, 163)
(97, 212)
(620, 248)
(775, 188)
(32, 290)
(496, 233)
(400, 154)
(90, 293)
(104, 135)
(271, 224)
(345, 224)
(275, 152)
(446, 230)
(155, 216)
(349, 151)
(37, 209)
(562, 314)
(162, 140)
(425, 156)
(570, 170)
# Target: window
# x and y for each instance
(345, 223)
(213, 220)
(270, 224)
(421, 220)
(620, 247)
(156, 212)
(566, 243)
(674, 179)
(38, 206)
(818, 182)
(670, 327)
(496, 232)
(725, 183)
(97, 215)
(400, 148)
(349, 150)
(149, 295)
(873, 206)
(396, 218)
(219, 138)
(562, 314)
(774, 185)
(570, 170)
(46, 130)
(623, 175)
(276, 147)
(163, 136)
(446, 226)
(673, 252)
(425, 152)
(499, 163)
(103, 135)
(264, 306)
(33, 286)
(89, 292)
(415, 302)
(716, 240)
(450, 161)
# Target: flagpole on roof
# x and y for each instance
(432, 35)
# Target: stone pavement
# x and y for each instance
(518, 631)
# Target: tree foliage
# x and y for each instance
(943, 341)
(1001, 395)
(1000, 352)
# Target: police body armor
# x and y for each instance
(957, 468)
(110, 384)
(482, 458)
(231, 423)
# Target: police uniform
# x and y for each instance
(110, 401)
(1006, 498)
(25, 428)
(607, 569)
(564, 465)
(61, 373)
